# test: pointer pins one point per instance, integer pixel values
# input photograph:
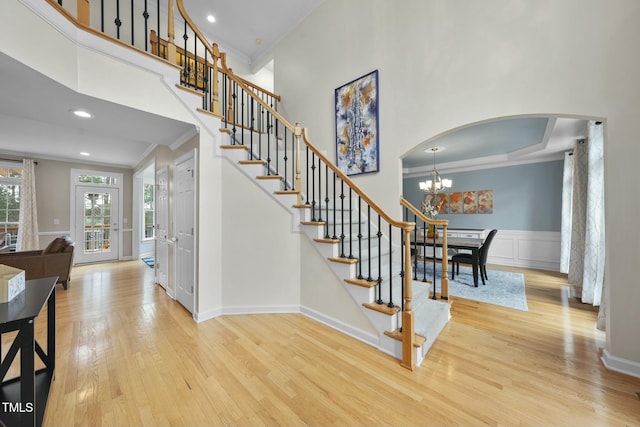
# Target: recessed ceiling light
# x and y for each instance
(211, 18)
(82, 113)
(258, 40)
(84, 153)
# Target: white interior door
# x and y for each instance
(185, 202)
(162, 227)
(96, 224)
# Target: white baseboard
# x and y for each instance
(358, 334)
(617, 364)
(207, 315)
(527, 249)
(267, 309)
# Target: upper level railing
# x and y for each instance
(366, 234)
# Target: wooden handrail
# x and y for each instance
(400, 224)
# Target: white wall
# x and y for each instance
(448, 63)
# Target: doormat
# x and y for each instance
(150, 261)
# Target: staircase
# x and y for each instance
(368, 265)
(362, 245)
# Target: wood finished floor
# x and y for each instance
(127, 355)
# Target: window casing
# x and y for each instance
(10, 186)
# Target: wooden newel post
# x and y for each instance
(408, 334)
(171, 46)
(298, 183)
(444, 279)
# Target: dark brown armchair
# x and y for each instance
(55, 260)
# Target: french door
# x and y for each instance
(96, 224)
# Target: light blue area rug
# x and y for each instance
(503, 288)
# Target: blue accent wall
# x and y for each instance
(525, 197)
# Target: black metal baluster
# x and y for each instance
(117, 21)
(242, 117)
(269, 145)
(102, 21)
(132, 25)
(278, 154)
(415, 248)
(313, 186)
(342, 255)
(360, 237)
(335, 206)
(158, 29)
(185, 72)
(307, 177)
(260, 131)
(369, 278)
(286, 183)
(434, 262)
(379, 234)
(195, 62)
(145, 15)
(351, 225)
(424, 251)
(251, 129)
(234, 101)
(206, 99)
(390, 303)
(326, 200)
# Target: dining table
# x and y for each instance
(470, 244)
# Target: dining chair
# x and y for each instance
(465, 258)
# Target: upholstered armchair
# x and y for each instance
(55, 260)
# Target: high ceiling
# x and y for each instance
(36, 121)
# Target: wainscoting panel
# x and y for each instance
(530, 249)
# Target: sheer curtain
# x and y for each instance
(586, 253)
(28, 228)
(567, 205)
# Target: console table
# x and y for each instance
(23, 399)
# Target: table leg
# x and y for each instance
(27, 374)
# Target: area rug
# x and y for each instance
(150, 261)
(503, 288)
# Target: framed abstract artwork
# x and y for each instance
(357, 143)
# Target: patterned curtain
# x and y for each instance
(565, 227)
(28, 229)
(586, 259)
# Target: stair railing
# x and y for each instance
(423, 242)
(270, 139)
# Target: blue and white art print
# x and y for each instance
(357, 143)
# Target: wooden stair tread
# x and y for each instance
(344, 260)
(331, 241)
(397, 335)
(251, 162)
(188, 89)
(234, 147)
(302, 206)
(287, 192)
(269, 177)
(210, 113)
(382, 308)
(362, 282)
(313, 223)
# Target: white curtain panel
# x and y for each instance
(28, 228)
(593, 276)
(565, 227)
(586, 260)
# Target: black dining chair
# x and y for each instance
(465, 258)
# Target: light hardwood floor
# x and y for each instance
(127, 355)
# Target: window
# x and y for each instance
(10, 181)
(149, 213)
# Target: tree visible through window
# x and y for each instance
(10, 180)
(149, 213)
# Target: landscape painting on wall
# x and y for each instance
(357, 144)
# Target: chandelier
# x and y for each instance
(436, 183)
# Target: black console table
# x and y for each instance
(23, 399)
